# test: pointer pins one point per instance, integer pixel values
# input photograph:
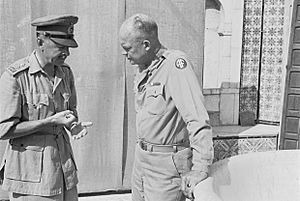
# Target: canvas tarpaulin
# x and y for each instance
(104, 80)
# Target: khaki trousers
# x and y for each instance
(156, 175)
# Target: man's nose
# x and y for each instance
(124, 53)
(66, 51)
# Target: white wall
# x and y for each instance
(223, 42)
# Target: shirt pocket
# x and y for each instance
(155, 102)
(24, 159)
(38, 105)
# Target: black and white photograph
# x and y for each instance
(149, 100)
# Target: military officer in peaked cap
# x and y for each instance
(37, 114)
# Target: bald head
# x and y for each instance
(139, 26)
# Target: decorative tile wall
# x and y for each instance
(261, 70)
(250, 56)
(225, 147)
(271, 61)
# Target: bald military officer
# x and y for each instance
(174, 148)
(37, 109)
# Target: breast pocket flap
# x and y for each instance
(155, 91)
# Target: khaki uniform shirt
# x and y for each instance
(169, 106)
(40, 163)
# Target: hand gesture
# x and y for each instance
(65, 118)
(190, 180)
(79, 129)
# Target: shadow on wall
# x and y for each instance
(231, 105)
(248, 106)
(213, 4)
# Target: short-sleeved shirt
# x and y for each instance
(170, 109)
(40, 163)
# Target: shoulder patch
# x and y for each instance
(18, 67)
(180, 63)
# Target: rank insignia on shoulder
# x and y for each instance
(180, 63)
(16, 68)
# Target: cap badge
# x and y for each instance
(70, 29)
(180, 63)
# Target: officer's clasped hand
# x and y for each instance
(65, 118)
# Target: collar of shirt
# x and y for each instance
(142, 77)
(36, 67)
(154, 64)
(158, 58)
(161, 52)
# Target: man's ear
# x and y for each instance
(147, 44)
(40, 42)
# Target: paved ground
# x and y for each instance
(116, 197)
(112, 197)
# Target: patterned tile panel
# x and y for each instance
(250, 55)
(226, 147)
(271, 61)
(261, 62)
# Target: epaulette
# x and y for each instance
(172, 55)
(18, 66)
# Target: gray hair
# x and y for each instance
(144, 26)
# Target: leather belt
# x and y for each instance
(146, 146)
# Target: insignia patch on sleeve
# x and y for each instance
(180, 63)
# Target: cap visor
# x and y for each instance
(65, 42)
